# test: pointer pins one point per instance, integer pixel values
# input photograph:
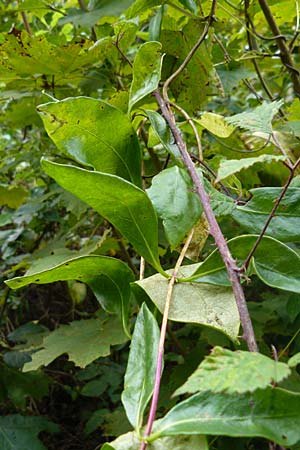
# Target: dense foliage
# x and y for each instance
(139, 136)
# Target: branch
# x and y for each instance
(215, 231)
(272, 214)
(163, 330)
(175, 74)
(26, 23)
(285, 54)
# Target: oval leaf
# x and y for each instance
(126, 206)
(175, 203)
(195, 303)
(95, 134)
(109, 279)
(141, 367)
(272, 413)
(284, 226)
(146, 72)
(275, 263)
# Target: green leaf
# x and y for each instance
(216, 124)
(126, 206)
(294, 360)
(19, 386)
(21, 433)
(141, 367)
(146, 72)
(271, 413)
(163, 132)
(231, 166)
(131, 441)
(284, 226)
(234, 372)
(276, 264)
(257, 120)
(139, 6)
(175, 203)
(12, 196)
(83, 340)
(199, 73)
(189, 4)
(195, 303)
(102, 137)
(109, 279)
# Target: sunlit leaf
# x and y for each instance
(216, 124)
(231, 166)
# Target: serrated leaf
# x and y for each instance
(216, 124)
(83, 340)
(276, 264)
(231, 166)
(234, 372)
(102, 137)
(131, 441)
(284, 226)
(126, 206)
(195, 303)
(109, 279)
(146, 72)
(141, 367)
(175, 203)
(257, 120)
(21, 433)
(164, 134)
(272, 413)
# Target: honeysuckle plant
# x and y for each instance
(168, 140)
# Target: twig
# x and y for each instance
(172, 77)
(163, 330)
(192, 125)
(285, 54)
(215, 231)
(26, 23)
(209, 170)
(125, 253)
(117, 45)
(271, 215)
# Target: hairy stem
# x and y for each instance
(161, 345)
(232, 269)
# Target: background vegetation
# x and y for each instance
(92, 88)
